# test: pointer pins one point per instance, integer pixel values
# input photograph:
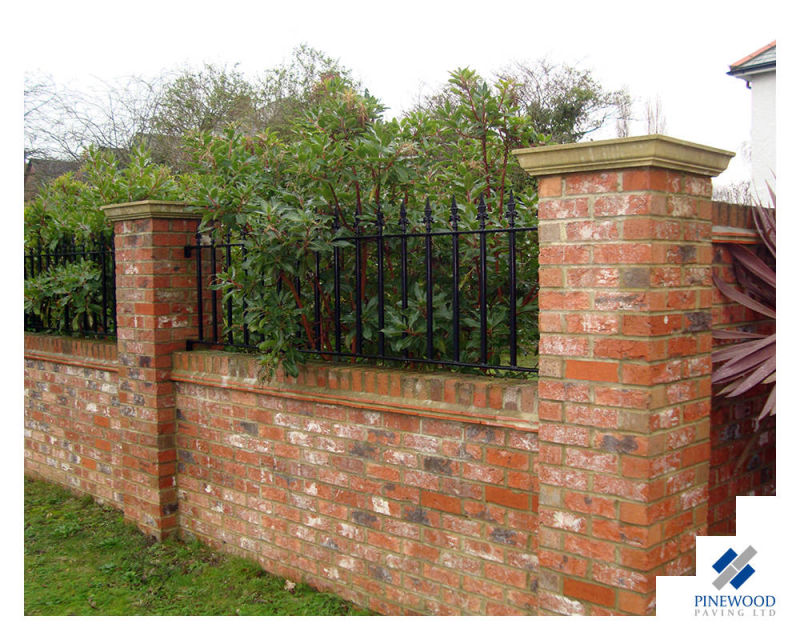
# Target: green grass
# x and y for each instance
(83, 559)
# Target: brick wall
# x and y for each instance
(419, 493)
(741, 463)
(405, 493)
(71, 415)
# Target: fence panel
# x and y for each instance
(71, 288)
(392, 291)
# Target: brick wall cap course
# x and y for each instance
(734, 235)
(640, 151)
(454, 411)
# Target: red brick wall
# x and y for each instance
(71, 408)
(403, 492)
(733, 420)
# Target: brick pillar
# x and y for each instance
(625, 303)
(155, 315)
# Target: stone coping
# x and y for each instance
(148, 209)
(641, 151)
(479, 400)
(734, 235)
(68, 350)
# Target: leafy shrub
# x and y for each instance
(66, 298)
(67, 212)
(68, 208)
(287, 199)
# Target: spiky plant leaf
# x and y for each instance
(752, 361)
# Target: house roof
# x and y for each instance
(41, 170)
(762, 60)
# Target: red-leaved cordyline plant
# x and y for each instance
(750, 362)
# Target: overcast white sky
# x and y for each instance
(677, 50)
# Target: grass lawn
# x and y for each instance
(83, 559)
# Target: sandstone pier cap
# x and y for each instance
(148, 209)
(619, 153)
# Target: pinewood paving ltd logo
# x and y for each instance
(734, 569)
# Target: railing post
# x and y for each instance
(624, 390)
(156, 314)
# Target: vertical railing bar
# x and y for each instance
(52, 261)
(278, 289)
(83, 256)
(230, 298)
(32, 271)
(483, 287)
(298, 263)
(113, 282)
(45, 318)
(359, 334)
(36, 261)
(429, 279)
(245, 328)
(90, 255)
(512, 280)
(404, 267)
(25, 271)
(96, 254)
(317, 308)
(214, 317)
(65, 255)
(199, 267)
(381, 317)
(104, 278)
(337, 294)
(456, 297)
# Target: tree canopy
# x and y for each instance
(563, 102)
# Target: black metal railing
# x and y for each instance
(71, 288)
(342, 305)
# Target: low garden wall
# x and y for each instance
(405, 493)
(71, 404)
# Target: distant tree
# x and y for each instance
(624, 114)
(654, 116)
(210, 99)
(564, 102)
(286, 90)
(39, 94)
(735, 193)
(62, 122)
